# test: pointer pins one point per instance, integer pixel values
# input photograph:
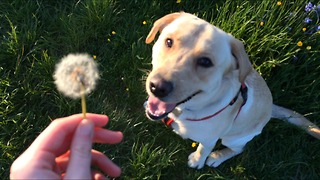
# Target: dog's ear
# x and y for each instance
(243, 62)
(160, 24)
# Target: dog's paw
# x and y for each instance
(196, 160)
(215, 159)
(218, 157)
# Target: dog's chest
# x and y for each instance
(201, 130)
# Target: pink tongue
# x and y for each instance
(158, 108)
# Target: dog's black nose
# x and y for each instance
(160, 87)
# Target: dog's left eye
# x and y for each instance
(169, 42)
(204, 62)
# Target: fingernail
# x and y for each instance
(86, 127)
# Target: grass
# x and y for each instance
(35, 34)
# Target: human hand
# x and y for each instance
(64, 150)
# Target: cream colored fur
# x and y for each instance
(192, 38)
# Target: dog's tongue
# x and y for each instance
(159, 108)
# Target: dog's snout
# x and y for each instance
(160, 87)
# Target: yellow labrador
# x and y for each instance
(204, 82)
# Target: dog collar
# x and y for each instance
(244, 93)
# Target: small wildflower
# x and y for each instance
(144, 22)
(94, 57)
(74, 71)
(108, 40)
(308, 48)
(178, 1)
(309, 7)
(261, 23)
(318, 28)
(194, 144)
(113, 33)
(127, 89)
(279, 3)
(304, 29)
(299, 43)
(307, 20)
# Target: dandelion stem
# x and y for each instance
(83, 101)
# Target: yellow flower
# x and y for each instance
(144, 22)
(113, 33)
(304, 29)
(194, 144)
(299, 43)
(108, 40)
(279, 3)
(261, 23)
(308, 48)
(178, 1)
(94, 57)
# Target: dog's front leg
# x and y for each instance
(198, 158)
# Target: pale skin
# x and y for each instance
(64, 151)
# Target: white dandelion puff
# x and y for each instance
(75, 75)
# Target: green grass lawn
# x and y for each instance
(36, 34)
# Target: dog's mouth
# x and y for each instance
(157, 109)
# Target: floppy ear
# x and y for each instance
(160, 24)
(243, 62)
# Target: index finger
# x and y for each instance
(56, 138)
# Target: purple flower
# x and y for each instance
(318, 28)
(318, 7)
(307, 20)
(309, 7)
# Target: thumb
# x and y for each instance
(80, 152)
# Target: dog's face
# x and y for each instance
(190, 60)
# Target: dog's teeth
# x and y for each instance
(145, 105)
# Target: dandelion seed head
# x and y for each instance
(74, 71)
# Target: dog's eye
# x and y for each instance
(204, 62)
(169, 42)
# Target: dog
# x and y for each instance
(203, 84)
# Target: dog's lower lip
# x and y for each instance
(188, 98)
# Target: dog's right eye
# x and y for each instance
(204, 62)
(169, 42)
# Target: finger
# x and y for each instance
(105, 164)
(62, 162)
(80, 152)
(107, 136)
(96, 175)
(98, 159)
(57, 137)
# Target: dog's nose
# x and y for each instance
(160, 87)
